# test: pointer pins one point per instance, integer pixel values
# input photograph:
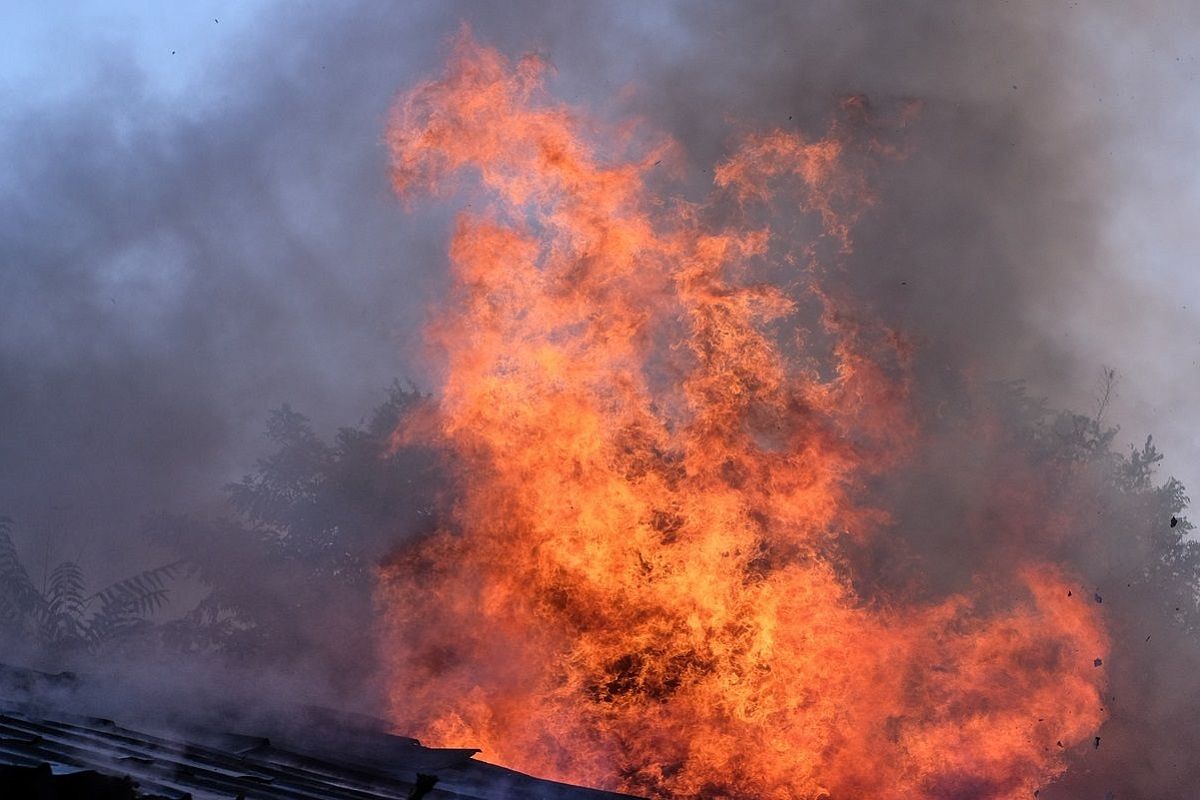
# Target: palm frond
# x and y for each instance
(140, 603)
(65, 592)
(125, 605)
(64, 606)
(15, 585)
(146, 592)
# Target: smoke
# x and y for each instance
(173, 265)
(171, 272)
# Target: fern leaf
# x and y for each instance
(14, 579)
(146, 592)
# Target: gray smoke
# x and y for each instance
(169, 272)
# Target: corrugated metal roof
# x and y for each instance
(349, 764)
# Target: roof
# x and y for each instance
(53, 753)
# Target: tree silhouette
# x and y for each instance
(1003, 477)
(60, 618)
(290, 570)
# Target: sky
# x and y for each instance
(196, 223)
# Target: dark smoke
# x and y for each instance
(171, 272)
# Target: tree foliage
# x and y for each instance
(288, 573)
(290, 570)
(1013, 478)
(62, 618)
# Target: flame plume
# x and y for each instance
(639, 587)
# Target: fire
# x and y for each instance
(656, 455)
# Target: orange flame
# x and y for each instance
(655, 460)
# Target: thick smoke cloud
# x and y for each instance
(170, 271)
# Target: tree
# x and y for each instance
(290, 571)
(1001, 477)
(60, 619)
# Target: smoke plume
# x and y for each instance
(175, 265)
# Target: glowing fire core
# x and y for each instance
(638, 585)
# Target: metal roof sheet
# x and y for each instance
(349, 764)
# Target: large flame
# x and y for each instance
(639, 588)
